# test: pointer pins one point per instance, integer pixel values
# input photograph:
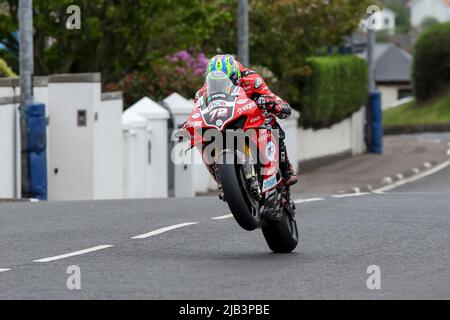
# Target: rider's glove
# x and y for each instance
(267, 103)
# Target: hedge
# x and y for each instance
(431, 67)
(336, 88)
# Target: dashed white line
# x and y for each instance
(228, 216)
(4, 270)
(351, 195)
(162, 230)
(308, 200)
(72, 254)
(414, 178)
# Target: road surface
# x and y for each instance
(405, 232)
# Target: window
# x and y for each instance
(404, 93)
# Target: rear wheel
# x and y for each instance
(281, 236)
(237, 196)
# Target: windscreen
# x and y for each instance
(218, 82)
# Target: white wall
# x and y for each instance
(85, 161)
(7, 150)
(153, 148)
(72, 161)
(9, 87)
(135, 157)
(108, 150)
(290, 127)
(389, 95)
(346, 136)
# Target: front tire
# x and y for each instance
(237, 197)
(281, 236)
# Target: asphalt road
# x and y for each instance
(405, 232)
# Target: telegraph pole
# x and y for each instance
(26, 61)
(243, 30)
(370, 58)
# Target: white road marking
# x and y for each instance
(162, 230)
(228, 216)
(351, 195)
(72, 254)
(414, 178)
(4, 270)
(308, 200)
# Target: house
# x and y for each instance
(423, 9)
(393, 70)
(383, 20)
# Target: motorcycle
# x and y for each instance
(247, 172)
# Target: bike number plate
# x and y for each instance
(218, 113)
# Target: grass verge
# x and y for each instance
(433, 112)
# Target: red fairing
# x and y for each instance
(255, 87)
(242, 107)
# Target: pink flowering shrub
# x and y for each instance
(182, 72)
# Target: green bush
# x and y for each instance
(335, 89)
(431, 70)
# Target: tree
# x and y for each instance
(287, 32)
(429, 22)
(116, 36)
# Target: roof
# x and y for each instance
(392, 64)
(149, 109)
(178, 104)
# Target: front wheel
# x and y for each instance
(281, 236)
(237, 196)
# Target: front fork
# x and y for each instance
(250, 175)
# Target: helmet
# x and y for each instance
(227, 64)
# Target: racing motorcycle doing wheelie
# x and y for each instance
(240, 150)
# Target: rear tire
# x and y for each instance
(235, 195)
(281, 236)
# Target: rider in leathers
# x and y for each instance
(256, 89)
